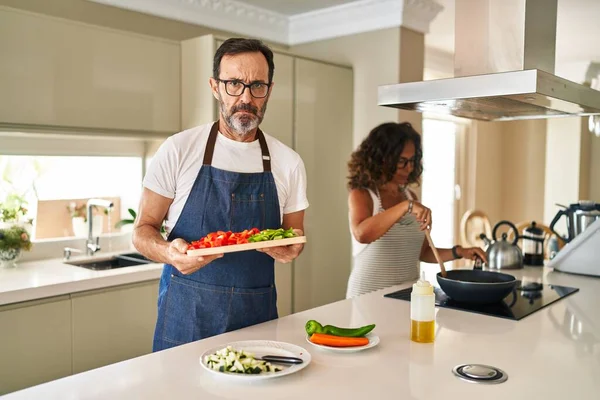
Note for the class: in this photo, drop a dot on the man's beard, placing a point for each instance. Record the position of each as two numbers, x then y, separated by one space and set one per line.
242 124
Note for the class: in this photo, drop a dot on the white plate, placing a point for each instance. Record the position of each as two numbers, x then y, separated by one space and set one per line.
373 341
262 348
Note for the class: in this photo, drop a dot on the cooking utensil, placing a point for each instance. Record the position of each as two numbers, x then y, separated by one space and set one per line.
533 245
502 254
579 216
474 286
435 252
281 359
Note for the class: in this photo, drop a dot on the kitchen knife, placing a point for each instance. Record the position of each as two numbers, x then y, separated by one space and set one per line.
281 359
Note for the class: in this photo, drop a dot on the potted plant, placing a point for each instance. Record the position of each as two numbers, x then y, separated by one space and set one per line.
15 230
79 220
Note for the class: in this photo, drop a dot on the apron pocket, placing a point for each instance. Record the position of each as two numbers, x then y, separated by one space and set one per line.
252 306
195 310
247 211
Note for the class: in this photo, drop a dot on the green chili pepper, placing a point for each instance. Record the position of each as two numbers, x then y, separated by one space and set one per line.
348 332
272 234
313 326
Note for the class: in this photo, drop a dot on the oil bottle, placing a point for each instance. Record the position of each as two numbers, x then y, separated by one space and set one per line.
422 312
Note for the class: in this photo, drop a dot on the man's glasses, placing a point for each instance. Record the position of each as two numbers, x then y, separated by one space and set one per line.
235 87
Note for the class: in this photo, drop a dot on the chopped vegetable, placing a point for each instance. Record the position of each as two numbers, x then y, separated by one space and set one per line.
313 326
272 234
240 362
338 341
222 238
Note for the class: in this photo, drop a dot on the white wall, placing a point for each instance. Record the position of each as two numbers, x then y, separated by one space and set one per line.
563 155
522 166
595 169
374 57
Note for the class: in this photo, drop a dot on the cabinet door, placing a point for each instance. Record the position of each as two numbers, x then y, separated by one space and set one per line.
278 122
112 325
56 72
198 105
36 343
323 136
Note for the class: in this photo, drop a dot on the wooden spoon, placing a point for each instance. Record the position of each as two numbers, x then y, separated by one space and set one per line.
435 252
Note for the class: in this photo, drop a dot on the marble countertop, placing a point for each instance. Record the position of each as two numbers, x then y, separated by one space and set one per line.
553 353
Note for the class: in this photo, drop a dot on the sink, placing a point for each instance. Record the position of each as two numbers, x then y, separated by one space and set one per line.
118 261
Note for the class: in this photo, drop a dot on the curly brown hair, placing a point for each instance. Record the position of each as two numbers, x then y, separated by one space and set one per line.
375 161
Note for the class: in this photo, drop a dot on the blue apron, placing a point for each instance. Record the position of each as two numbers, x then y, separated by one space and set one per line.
237 290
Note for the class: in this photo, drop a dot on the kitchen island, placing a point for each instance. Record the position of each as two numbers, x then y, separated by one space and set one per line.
553 353
58 319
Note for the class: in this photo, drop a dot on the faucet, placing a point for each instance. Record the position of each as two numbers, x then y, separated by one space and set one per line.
93 246
67 251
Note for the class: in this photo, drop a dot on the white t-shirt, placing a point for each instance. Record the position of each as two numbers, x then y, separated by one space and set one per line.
177 162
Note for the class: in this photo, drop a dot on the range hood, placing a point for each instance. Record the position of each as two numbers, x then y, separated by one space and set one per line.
503 67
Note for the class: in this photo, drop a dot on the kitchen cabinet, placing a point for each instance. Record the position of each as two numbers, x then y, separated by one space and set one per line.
36 342
323 137
310 110
278 122
113 324
48 339
64 73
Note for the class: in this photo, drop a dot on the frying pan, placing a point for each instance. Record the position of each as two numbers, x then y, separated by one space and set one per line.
473 286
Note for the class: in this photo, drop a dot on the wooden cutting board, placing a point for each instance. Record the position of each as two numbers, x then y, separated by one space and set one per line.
246 246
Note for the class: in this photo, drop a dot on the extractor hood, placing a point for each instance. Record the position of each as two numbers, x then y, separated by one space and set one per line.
504 68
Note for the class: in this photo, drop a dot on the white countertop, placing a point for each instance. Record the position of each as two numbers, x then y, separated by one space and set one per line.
551 354
47 278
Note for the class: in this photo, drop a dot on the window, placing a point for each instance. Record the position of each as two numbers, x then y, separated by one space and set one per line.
50 184
439 178
54 169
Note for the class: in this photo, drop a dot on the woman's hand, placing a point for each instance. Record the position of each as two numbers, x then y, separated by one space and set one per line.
471 253
422 215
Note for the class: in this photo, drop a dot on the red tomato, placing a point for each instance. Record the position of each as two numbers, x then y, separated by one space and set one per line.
222 238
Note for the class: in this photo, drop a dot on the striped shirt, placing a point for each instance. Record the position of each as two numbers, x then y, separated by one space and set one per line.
390 260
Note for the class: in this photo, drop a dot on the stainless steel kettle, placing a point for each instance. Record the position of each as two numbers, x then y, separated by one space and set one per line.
579 217
502 254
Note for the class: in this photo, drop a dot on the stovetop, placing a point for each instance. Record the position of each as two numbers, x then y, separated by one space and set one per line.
530 297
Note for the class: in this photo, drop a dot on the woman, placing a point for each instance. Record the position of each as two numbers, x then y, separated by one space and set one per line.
386 220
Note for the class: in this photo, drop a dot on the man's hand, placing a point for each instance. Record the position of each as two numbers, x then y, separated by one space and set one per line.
177 254
285 254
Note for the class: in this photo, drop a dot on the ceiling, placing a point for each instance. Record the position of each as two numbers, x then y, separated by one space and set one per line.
577 24
291 7
576 30
301 21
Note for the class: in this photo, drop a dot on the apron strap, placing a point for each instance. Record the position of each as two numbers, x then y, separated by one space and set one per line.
266 156
212 139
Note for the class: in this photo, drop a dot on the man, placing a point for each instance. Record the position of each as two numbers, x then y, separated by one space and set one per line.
227 176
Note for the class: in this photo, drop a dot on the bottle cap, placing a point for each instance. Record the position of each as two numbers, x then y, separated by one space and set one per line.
422 286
